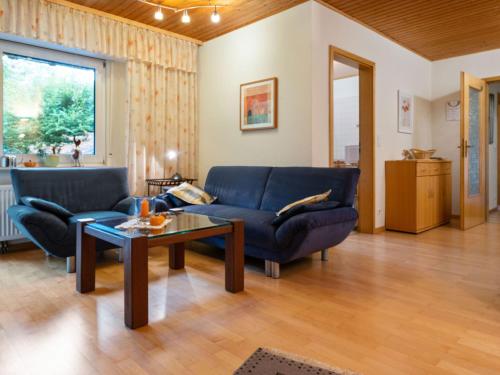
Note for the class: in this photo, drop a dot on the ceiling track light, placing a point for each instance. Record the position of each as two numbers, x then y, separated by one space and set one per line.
215 17
186 18
159 15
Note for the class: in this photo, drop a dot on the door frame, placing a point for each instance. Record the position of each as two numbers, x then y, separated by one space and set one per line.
366 189
487 198
462 147
498 153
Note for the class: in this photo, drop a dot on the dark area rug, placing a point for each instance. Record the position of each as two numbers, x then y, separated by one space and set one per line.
273 362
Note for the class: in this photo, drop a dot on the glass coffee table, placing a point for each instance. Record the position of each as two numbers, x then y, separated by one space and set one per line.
135 243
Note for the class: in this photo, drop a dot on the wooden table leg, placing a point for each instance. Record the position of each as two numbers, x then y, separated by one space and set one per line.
235 257
85 258
176 256
136 282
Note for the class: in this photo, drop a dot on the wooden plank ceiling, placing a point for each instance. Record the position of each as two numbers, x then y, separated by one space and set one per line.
435 29
238 14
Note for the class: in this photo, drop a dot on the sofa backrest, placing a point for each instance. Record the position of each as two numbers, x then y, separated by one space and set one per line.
238 186
289 184
77 189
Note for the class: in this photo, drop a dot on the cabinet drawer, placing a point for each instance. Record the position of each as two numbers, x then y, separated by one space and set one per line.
433 169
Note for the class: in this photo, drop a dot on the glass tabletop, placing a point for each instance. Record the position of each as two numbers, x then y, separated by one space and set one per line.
181 223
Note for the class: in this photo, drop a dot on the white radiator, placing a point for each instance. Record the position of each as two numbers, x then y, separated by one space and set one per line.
7 229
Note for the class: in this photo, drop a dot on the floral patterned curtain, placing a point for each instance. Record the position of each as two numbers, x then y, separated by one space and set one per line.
161 79
162 117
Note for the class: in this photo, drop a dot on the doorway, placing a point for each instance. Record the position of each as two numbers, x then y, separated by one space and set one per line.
352 127
492 142
479 156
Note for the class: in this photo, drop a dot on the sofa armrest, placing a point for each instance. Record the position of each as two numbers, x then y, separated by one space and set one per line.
300 224
161 205
165 198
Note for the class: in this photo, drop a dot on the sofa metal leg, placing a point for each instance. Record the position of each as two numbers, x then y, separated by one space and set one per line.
267 267
275 270
324 255
272 269
71 264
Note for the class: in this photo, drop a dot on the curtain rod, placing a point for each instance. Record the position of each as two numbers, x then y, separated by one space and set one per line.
82 8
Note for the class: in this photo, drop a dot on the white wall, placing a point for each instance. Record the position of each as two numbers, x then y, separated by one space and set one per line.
346 115
278 46
396 68
446 135
293 46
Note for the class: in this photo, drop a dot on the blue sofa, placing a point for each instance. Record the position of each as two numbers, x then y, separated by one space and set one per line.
255 194
86 192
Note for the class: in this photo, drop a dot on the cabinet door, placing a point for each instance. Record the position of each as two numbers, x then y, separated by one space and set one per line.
428 201
444 198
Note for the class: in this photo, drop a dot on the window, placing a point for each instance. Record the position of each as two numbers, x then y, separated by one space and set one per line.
50 99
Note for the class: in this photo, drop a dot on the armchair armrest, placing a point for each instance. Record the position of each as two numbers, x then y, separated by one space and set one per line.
41 226
47 206
300 224
126 206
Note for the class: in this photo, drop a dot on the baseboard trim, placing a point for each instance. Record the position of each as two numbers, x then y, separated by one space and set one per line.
379 230
493 209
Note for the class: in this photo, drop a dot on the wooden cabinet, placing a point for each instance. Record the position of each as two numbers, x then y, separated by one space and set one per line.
417 194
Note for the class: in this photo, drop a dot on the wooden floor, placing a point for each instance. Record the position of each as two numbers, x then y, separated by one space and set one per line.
384 304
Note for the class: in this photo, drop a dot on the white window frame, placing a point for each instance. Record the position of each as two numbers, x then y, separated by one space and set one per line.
70 59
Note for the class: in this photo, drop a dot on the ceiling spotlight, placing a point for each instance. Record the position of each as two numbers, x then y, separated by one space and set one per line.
159 15
186 18
215 17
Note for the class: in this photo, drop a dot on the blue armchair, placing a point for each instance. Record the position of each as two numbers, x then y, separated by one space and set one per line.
50 201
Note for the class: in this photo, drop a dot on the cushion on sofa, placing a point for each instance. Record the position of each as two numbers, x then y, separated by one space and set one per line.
320 206
47 206
258 229
288 184
238 186
191 194
307 200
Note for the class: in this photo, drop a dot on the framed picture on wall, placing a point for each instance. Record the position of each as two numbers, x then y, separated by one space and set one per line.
405 112
259 105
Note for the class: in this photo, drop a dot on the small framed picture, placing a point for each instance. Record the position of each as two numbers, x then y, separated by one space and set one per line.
259 105
405 112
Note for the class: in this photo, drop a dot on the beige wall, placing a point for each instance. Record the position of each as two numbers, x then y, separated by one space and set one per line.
278 46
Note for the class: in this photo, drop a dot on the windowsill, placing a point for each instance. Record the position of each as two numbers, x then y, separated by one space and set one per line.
60 166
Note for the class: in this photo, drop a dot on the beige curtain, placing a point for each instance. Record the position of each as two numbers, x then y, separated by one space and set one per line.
162 118
161 80
68 27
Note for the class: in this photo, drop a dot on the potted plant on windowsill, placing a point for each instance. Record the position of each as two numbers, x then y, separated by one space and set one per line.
52 160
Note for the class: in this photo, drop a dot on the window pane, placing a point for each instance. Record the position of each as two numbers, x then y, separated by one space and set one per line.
45 105
473 151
